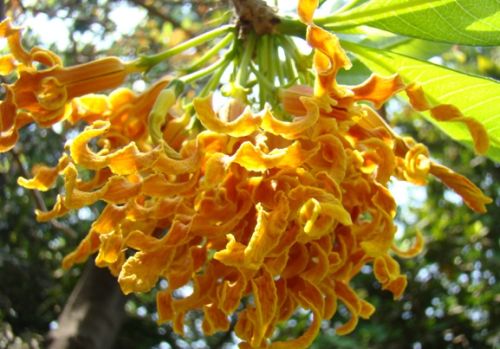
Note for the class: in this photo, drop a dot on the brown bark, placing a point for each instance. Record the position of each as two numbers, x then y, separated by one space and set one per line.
255 15
93 314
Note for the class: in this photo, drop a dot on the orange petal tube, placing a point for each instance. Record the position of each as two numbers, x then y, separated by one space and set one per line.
44 95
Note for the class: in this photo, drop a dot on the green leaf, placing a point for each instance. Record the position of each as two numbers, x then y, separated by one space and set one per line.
354 76
384 40
476 97
468 22
421 49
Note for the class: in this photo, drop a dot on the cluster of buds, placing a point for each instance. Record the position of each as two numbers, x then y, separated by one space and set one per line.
259 215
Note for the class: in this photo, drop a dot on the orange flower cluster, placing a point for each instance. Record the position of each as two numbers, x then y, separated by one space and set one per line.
43 95
261 216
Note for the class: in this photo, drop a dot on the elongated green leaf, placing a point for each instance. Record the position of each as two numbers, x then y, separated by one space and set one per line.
476 97
417 48
354 76
468 22
421 49
381 39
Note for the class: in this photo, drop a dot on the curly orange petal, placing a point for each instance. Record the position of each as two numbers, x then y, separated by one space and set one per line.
298 126
244 125
470 193
254 159
378 89
306 10
449 113
44 177
413 251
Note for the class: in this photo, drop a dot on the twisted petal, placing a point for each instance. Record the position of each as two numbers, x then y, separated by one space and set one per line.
89 245
254 159
472 195
44 176
309 297
378 89
417 164
7 64
386 270
141 271
268 231
413 251
448 112
296 128
117 189
244 125
306 10
13 36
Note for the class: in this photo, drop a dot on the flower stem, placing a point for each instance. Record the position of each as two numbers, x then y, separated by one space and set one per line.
289 68
210 53
263 68
215 79
280 70
242 77
263 80
270 59
145 63
189 78
291 26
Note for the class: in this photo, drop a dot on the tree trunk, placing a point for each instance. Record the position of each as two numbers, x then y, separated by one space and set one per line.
93 314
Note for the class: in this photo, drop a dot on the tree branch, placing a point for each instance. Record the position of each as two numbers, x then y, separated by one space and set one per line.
256 15
161 14
93 313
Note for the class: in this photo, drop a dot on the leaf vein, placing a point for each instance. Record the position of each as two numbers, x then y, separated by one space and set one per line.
460 90
476 105
464 9
460 33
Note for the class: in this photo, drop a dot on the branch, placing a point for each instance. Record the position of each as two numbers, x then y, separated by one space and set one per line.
161 14
256 15
93 313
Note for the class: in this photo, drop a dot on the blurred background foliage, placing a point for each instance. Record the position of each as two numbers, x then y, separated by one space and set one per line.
452 299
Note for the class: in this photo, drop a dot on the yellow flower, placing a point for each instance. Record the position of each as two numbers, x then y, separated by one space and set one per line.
285 213
43 95
126 111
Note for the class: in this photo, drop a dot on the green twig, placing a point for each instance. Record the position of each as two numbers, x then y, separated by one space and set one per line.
214 80
280 70
210 53
189 78
145 63
291 26
270 59
290 67
263 80
246 58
